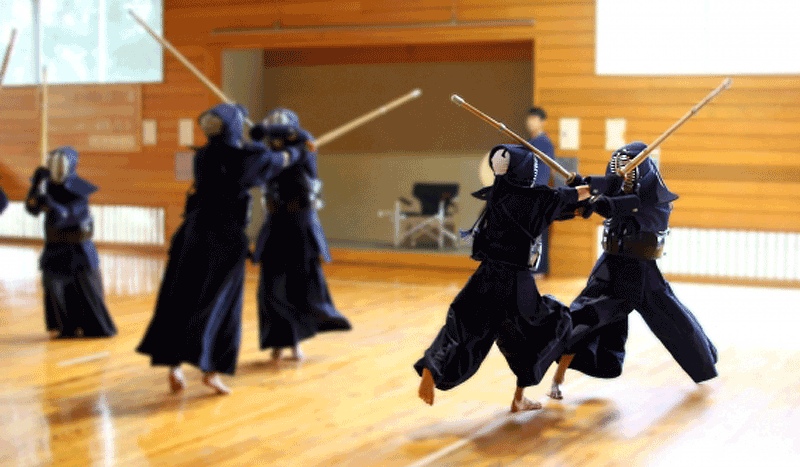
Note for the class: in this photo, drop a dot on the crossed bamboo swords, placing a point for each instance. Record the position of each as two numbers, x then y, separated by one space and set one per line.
570 176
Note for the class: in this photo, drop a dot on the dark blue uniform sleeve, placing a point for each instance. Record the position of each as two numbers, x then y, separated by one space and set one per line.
35 201
604 185
276 161
612 206
565 201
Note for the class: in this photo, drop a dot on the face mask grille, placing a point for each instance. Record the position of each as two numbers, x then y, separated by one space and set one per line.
211 124
59 167
619 160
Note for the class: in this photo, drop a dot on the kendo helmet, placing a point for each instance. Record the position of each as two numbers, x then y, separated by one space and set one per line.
515 163
621 157
646 176
280 127
62 164
224 123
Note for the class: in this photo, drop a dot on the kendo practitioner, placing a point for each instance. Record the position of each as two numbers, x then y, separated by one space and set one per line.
294 302
198 313
500 302
73 289
626 277
3 200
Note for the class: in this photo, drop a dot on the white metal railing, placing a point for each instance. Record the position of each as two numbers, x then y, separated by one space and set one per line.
130 274
747 254
142 225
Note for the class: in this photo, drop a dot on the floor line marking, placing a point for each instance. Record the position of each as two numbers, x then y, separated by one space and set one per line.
84 359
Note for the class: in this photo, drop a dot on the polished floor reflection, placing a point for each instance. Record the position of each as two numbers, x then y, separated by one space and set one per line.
353 401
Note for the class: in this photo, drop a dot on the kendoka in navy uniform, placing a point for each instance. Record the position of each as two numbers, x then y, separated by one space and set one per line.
198 314
626 277
500 302
73 289
294 302
3 200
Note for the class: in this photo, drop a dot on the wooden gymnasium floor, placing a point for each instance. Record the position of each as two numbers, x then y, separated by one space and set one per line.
353 402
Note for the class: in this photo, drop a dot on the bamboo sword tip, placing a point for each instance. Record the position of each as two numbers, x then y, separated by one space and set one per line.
416 92
727 83
457 100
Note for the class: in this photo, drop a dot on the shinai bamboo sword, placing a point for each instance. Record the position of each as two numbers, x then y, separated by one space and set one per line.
628 168
322 140
7 56
569 176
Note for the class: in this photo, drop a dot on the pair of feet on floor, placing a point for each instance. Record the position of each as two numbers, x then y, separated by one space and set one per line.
177 381
519 403
297 354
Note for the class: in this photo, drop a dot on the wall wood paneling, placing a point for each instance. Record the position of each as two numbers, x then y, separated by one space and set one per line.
750 129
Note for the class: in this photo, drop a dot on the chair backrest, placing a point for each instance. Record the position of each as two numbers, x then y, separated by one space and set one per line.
430 194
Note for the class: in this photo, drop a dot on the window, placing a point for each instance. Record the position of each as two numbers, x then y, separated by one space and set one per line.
82 41
18 14
697 37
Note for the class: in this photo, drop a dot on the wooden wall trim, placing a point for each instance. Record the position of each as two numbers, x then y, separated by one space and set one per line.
389 36
409 53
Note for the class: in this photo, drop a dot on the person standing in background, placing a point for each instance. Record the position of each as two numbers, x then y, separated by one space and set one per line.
535 123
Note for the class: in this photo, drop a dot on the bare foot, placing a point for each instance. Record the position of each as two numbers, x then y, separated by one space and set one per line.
426 387
54 333
555 391
177 382
297 354
276 353
558 378
524 404
521 403
213 381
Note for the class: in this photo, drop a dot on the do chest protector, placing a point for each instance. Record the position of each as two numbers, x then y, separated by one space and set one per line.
296 192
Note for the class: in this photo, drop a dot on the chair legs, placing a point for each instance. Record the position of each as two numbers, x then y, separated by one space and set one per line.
412 227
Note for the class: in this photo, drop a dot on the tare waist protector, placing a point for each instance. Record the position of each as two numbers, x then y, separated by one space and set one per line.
641 245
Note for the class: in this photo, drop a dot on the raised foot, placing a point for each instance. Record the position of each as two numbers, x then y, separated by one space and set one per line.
297 354
177 382
426 387
213 381
524 404
555 391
